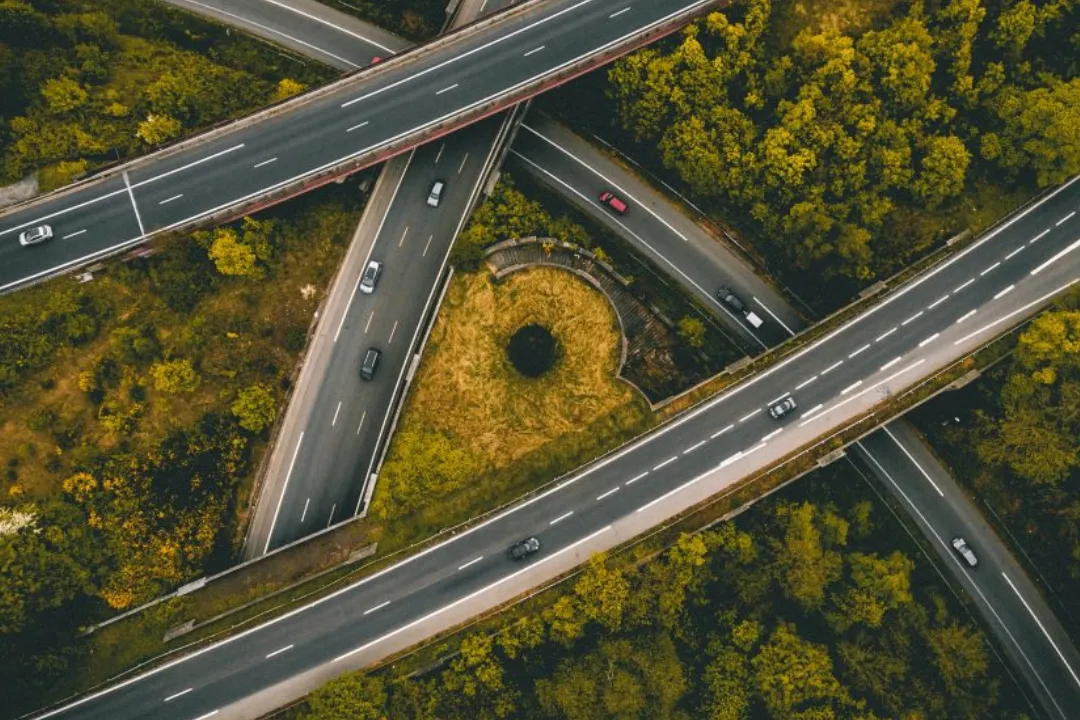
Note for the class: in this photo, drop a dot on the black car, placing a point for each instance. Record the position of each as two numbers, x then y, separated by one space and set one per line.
371 361
524 548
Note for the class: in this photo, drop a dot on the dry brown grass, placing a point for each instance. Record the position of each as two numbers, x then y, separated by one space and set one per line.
468 388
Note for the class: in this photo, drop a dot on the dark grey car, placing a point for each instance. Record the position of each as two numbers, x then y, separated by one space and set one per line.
523 549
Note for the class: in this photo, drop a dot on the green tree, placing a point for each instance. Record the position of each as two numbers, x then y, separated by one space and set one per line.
877 586
357 696
175 376
255 408
942 170
232 257
602 593
286 88
1043 126
62 95
692 331
806 559
1015 26
158 128
423 467
959 654
794 676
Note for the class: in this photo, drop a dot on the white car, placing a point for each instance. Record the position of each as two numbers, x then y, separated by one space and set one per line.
35 235
371 277
435 195
780 408
964 551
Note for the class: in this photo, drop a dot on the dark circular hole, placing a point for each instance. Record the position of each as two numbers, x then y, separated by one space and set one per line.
532 350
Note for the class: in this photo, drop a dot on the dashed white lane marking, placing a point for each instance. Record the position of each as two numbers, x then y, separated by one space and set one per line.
860 350
1038 237
992 267
1023 309
403 234
439 154
210 714
720 432
462 165
937 302
369 318
356 127
886 334
74 234
392 331
1057 257
963 285
1045 634
446 89
330 520
610 492
927 341
471 562
690 482
169 200
380 606
777 399
279 651
1065 219
744 418
1014 252
832 367
534 51
804 383
693 447
812 410
965 316
618 13
334 421
427 245
773 315
870 388
667 462
851 387
264 163
561 517
361 422
304 514
892 362
1004 292
179 694
636 478
773 434
913 318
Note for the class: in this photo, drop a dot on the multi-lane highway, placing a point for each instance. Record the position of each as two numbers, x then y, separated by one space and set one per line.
356 121
923 326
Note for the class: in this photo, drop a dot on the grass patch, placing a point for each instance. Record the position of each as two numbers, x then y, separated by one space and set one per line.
475 431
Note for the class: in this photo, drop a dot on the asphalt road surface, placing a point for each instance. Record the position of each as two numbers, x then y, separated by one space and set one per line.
311 134
925 325
1005 597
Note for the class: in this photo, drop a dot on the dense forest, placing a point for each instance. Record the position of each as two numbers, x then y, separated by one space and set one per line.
801 609
87 82
1017 447
846 138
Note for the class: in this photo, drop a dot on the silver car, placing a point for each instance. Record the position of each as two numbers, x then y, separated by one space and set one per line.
964 550
435 195
35 235
371 277
780 408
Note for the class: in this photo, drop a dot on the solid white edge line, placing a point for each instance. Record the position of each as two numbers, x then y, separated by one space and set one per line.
914 462
179 694
659 432
210 714
772 315
471 562
188 166
1039 622
273 521
1019 310
927 341
321 21
472 595
949 554
279 651
771 435
1056 257
871 388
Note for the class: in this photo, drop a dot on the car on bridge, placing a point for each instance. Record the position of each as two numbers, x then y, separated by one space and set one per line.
523 549
370 277
782 407
35 235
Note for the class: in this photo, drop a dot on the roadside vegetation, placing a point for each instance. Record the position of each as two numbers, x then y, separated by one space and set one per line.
847 139
133 411
84 83
417 20
808 606
475 432
1013 439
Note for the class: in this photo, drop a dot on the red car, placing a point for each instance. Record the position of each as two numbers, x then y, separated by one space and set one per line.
612 201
